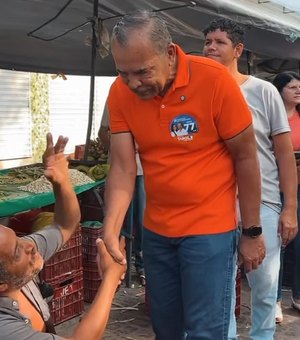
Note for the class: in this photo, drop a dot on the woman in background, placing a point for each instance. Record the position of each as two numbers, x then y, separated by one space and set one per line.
288 85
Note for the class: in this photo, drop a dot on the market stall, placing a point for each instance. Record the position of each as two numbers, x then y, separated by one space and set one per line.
13 199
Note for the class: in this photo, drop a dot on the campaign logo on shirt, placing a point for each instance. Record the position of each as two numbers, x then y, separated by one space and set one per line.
183 127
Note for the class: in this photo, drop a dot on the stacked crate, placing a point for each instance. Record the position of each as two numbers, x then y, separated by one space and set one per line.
92 204
91 278
64 273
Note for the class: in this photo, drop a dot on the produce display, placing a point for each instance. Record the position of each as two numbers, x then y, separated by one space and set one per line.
95 172
11 179
95 166
3 195
96 151
21 175
31 179
43 185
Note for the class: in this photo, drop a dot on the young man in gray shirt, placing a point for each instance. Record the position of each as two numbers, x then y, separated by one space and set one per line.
224 43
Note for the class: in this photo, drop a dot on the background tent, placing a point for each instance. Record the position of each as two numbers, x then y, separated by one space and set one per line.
273 31
55 36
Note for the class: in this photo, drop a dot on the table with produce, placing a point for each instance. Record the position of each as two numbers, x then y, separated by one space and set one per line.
25 187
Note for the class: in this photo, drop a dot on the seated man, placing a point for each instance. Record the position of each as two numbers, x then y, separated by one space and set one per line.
23 312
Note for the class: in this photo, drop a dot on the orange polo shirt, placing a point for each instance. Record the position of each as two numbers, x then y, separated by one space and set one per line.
294 122
189 176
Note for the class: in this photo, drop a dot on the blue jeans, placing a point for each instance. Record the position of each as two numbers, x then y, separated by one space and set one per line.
263 283
139 202
295 245
189 284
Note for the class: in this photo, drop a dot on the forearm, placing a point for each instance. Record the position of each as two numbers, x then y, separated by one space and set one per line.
249 190
92 325
288 185
288 180
287 169
118 194
67 211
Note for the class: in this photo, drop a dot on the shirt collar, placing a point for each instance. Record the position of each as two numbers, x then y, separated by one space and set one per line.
183 69
7 302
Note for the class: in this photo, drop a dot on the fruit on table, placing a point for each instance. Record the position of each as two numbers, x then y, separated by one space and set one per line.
96 150
83 168
98 172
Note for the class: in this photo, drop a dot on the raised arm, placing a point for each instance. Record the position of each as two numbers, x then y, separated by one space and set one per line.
67 211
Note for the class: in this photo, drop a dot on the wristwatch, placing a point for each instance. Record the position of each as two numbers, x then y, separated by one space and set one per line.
253 232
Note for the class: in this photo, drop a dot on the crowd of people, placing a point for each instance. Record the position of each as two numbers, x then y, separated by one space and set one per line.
219 189
224 39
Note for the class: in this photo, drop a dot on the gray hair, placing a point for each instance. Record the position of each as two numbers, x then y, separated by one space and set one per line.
156 29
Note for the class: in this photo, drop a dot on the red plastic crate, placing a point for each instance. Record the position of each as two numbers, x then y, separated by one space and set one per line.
66 261
79 151
89 248
91 282
67 301
90 212
92 204
22 222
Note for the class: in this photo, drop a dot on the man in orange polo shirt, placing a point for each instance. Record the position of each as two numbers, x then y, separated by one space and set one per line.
190 178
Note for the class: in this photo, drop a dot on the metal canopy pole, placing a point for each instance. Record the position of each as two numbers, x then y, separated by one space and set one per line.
92 78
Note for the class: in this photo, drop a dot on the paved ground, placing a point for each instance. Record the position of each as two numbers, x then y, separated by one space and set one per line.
129 320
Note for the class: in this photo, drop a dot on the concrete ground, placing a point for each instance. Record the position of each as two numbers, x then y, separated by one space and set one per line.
129 319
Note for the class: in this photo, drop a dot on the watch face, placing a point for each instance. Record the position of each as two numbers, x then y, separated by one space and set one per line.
256 231
253 231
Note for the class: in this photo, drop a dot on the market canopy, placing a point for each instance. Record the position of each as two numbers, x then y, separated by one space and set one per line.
30 42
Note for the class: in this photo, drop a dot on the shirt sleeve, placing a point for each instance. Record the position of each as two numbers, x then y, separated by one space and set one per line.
232 114
117 95
48 240
13 328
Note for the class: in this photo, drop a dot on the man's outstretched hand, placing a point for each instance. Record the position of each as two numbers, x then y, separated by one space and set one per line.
55 163
106 264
